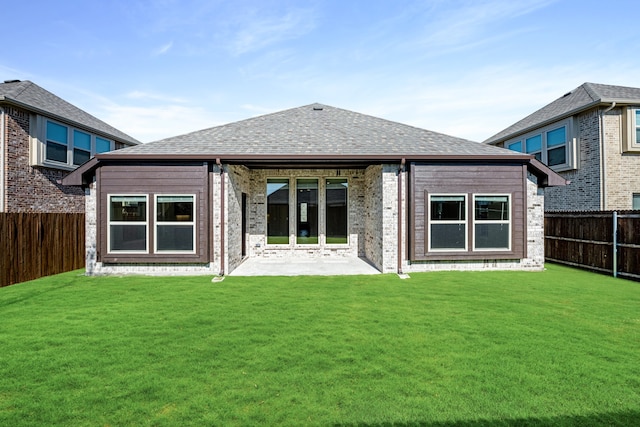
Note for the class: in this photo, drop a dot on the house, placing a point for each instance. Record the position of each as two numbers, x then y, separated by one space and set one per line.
42 139
313 181
591 137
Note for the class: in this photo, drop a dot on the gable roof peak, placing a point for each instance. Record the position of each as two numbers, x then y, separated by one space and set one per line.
313 130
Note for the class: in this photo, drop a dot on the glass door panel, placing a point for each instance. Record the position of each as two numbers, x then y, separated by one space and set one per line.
307 211
277 211
336 211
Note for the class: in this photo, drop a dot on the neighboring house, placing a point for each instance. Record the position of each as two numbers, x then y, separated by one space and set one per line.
313 181
591 137
42 139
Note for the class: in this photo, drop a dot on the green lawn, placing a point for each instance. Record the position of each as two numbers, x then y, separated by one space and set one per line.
560 347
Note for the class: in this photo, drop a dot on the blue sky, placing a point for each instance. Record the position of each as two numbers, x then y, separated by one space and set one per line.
161 68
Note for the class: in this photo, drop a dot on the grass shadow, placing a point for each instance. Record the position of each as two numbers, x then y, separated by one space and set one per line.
626 418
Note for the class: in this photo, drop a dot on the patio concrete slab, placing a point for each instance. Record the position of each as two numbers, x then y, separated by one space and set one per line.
304 267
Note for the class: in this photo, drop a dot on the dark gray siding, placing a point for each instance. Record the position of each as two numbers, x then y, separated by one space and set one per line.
152 179
468 178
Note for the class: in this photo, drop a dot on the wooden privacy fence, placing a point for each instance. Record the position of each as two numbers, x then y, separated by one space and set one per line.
34 245
608 241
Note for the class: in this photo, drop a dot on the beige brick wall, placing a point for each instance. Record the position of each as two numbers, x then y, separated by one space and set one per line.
622 170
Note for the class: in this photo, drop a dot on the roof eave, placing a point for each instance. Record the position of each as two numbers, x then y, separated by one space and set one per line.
63 119
601 102
115 156
83 174
546 176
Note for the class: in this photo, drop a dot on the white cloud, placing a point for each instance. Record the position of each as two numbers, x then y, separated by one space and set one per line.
162 121
257 31
141 95
163 49
459 26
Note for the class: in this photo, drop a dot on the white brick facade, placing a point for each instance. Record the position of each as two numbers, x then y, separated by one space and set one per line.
372 224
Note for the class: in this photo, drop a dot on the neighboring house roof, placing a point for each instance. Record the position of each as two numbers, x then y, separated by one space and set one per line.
586 96
313 130
32 97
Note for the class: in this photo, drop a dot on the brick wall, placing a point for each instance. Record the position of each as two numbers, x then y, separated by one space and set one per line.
257 229
373 210
584 191
33 189
622 177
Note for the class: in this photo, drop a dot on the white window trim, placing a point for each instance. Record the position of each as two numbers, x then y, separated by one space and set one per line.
159 223
629 130
110 223
484 221
465 222
38 154
570 146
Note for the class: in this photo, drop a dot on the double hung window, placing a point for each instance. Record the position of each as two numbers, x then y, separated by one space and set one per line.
448 225
175 224
81 147
128 224
492 227
57 142
450 229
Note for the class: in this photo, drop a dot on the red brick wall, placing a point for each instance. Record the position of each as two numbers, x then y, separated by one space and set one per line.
28 188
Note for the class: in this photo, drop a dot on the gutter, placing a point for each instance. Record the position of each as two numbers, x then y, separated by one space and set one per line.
115 156
603 168
3 131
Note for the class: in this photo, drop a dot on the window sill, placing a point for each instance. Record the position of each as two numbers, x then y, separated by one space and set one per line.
461 256
59 166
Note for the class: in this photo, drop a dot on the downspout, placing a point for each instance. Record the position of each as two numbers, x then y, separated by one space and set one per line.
400 234
3 130
603 168
222 231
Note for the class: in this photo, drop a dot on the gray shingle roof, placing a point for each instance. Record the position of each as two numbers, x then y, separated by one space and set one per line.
33 97
314 130
581 98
